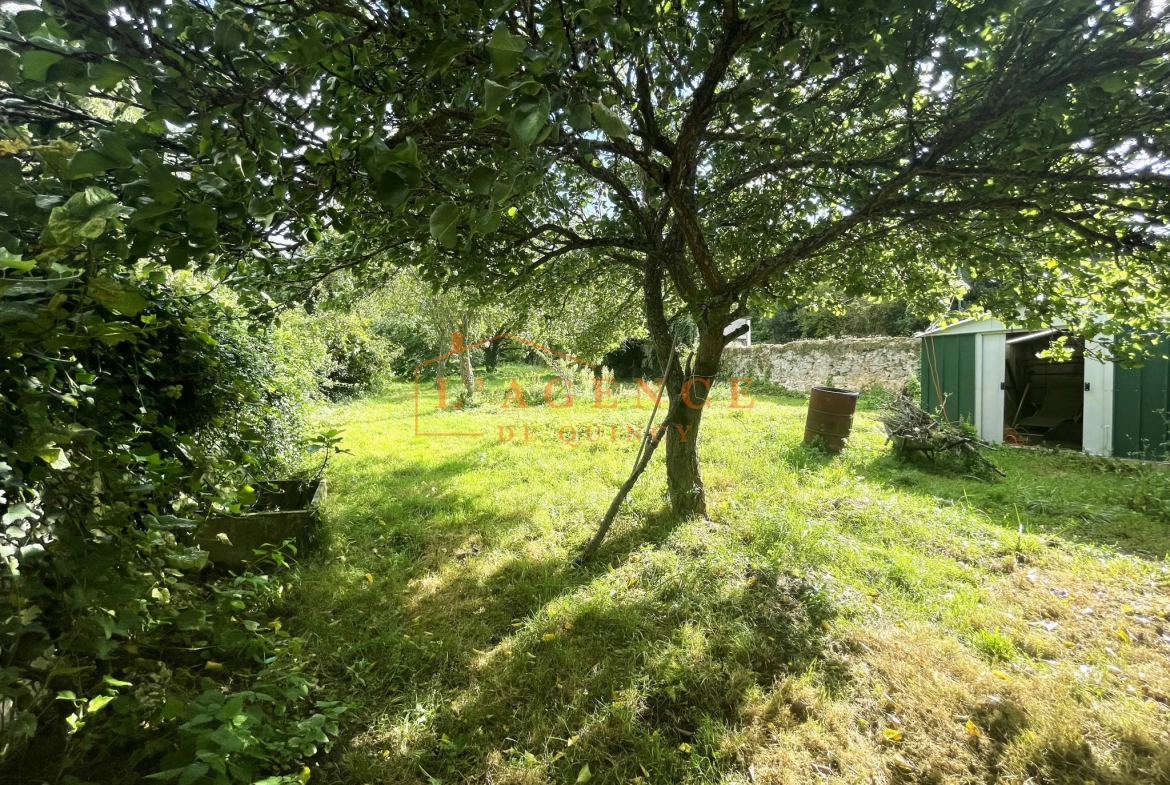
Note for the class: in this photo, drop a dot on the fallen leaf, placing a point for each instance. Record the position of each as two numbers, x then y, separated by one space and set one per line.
892 734
902 763
1123 636
369 578
223 538
548 636
972 729
585 775
1000 675
685 748
303 777
213 666
572 740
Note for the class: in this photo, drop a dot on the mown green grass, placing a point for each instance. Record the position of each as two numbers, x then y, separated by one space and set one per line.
835 618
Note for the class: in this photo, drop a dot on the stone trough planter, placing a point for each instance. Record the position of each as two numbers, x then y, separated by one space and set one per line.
284 510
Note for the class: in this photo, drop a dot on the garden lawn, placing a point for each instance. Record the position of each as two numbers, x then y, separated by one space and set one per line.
836 619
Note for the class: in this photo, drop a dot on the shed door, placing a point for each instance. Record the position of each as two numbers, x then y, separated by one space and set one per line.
948 375
1097 424
991 360
1140 406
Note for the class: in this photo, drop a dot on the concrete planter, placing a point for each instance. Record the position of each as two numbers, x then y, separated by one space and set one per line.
284 510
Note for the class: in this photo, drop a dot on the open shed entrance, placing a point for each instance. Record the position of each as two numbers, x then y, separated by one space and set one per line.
1044 399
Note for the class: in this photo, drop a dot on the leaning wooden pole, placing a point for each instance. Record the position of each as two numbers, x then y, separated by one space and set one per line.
650 440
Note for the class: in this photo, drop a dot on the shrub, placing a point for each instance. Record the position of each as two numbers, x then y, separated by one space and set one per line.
347 356
412 346
122 660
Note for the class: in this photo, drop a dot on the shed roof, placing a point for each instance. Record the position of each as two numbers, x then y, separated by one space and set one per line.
966 327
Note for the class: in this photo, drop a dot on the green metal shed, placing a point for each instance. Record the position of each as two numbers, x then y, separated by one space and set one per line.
948 375
1121 411
1141 401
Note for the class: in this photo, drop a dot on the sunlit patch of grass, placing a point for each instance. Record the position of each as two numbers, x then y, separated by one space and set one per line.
826 601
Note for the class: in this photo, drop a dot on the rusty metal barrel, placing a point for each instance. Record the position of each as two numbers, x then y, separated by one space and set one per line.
830 417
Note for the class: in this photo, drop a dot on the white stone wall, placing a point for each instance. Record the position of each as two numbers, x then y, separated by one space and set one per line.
850 363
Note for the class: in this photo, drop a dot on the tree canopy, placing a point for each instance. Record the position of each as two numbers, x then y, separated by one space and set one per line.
708 153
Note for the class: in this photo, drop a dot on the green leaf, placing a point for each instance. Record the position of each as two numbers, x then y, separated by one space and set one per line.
202 218
89 162
493 94
506 50
84 217
35 63
444 224
481 179
193 772
580 118
391 189
55 457
9 66
97 703
529 124
610 122
28 22
1114 83
114 147
12 261
585 775
821 68
116 295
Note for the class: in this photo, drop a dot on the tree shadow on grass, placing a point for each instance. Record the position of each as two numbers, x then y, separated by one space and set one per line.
468 651
639 667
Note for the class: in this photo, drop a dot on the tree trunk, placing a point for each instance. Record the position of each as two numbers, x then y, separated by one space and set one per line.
684 479
466 372
688 386
491 355
688 401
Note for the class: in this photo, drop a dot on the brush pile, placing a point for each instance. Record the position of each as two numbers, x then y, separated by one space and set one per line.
911 428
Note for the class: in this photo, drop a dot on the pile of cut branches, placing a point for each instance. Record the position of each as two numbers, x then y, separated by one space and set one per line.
911 428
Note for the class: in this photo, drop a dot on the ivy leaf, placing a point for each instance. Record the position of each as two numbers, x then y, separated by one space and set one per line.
117 296
84 217
444 224
506 50
12 261
55 457
610 122
97 703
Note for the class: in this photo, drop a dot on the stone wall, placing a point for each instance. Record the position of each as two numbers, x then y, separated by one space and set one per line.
851 363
